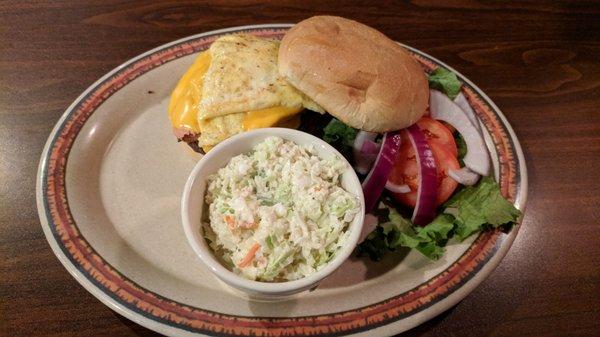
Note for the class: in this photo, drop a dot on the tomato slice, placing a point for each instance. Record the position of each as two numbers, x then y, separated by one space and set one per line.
406 171
438 133
445 161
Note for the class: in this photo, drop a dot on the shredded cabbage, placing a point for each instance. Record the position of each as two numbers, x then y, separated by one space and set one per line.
287 200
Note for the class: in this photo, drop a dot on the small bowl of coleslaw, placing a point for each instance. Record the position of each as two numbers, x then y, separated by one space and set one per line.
271 212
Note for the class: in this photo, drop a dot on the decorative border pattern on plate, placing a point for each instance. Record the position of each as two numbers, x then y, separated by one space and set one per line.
163 310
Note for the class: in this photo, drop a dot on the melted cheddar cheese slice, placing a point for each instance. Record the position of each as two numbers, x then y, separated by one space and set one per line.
188 99
183 107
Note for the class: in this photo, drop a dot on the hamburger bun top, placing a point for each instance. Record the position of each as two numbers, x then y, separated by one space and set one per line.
355 73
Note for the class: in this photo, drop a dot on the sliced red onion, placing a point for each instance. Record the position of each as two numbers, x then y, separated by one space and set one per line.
365 151
462 102
390 186
464 176
443 108
363 163
375 181
360 139
424 210
370 147
364 159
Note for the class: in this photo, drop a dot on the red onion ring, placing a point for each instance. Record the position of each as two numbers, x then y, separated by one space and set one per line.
425 208
464 176
443 108
390 186
365 151
370 147
375 181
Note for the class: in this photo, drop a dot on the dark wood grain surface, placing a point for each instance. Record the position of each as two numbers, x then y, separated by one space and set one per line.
539 61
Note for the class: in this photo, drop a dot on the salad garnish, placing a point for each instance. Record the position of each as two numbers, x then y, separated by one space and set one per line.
427 191
437 186
471 210
340 135
446 81
442 108
375 181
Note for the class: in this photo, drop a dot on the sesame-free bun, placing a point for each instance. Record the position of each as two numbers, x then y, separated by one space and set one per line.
355 73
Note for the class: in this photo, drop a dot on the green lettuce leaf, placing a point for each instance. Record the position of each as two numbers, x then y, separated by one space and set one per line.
337 132
439 230
444 81
476 208
433 237
473 209
375 246
461 146
400 232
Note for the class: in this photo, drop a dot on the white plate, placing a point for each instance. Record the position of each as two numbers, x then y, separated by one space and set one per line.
108 191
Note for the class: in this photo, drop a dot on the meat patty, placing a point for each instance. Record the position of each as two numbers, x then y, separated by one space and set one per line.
188 136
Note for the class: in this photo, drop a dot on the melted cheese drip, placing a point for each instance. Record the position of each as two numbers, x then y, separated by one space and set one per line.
183 106
268 117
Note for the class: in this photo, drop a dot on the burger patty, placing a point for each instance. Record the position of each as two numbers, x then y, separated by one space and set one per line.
191 138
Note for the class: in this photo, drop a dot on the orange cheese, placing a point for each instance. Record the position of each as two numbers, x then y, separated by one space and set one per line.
268 117
183 106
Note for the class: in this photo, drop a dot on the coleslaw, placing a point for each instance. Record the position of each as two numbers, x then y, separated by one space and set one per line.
278 213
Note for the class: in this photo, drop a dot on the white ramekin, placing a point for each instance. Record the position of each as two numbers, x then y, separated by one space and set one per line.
192 203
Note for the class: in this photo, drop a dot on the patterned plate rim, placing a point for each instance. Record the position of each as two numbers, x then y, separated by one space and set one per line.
161 314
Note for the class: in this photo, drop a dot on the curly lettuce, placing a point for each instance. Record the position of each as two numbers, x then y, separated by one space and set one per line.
471 210
445 81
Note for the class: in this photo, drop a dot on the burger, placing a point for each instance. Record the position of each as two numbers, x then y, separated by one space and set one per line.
325 64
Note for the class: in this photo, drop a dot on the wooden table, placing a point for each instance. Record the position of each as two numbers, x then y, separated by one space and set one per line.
538 61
